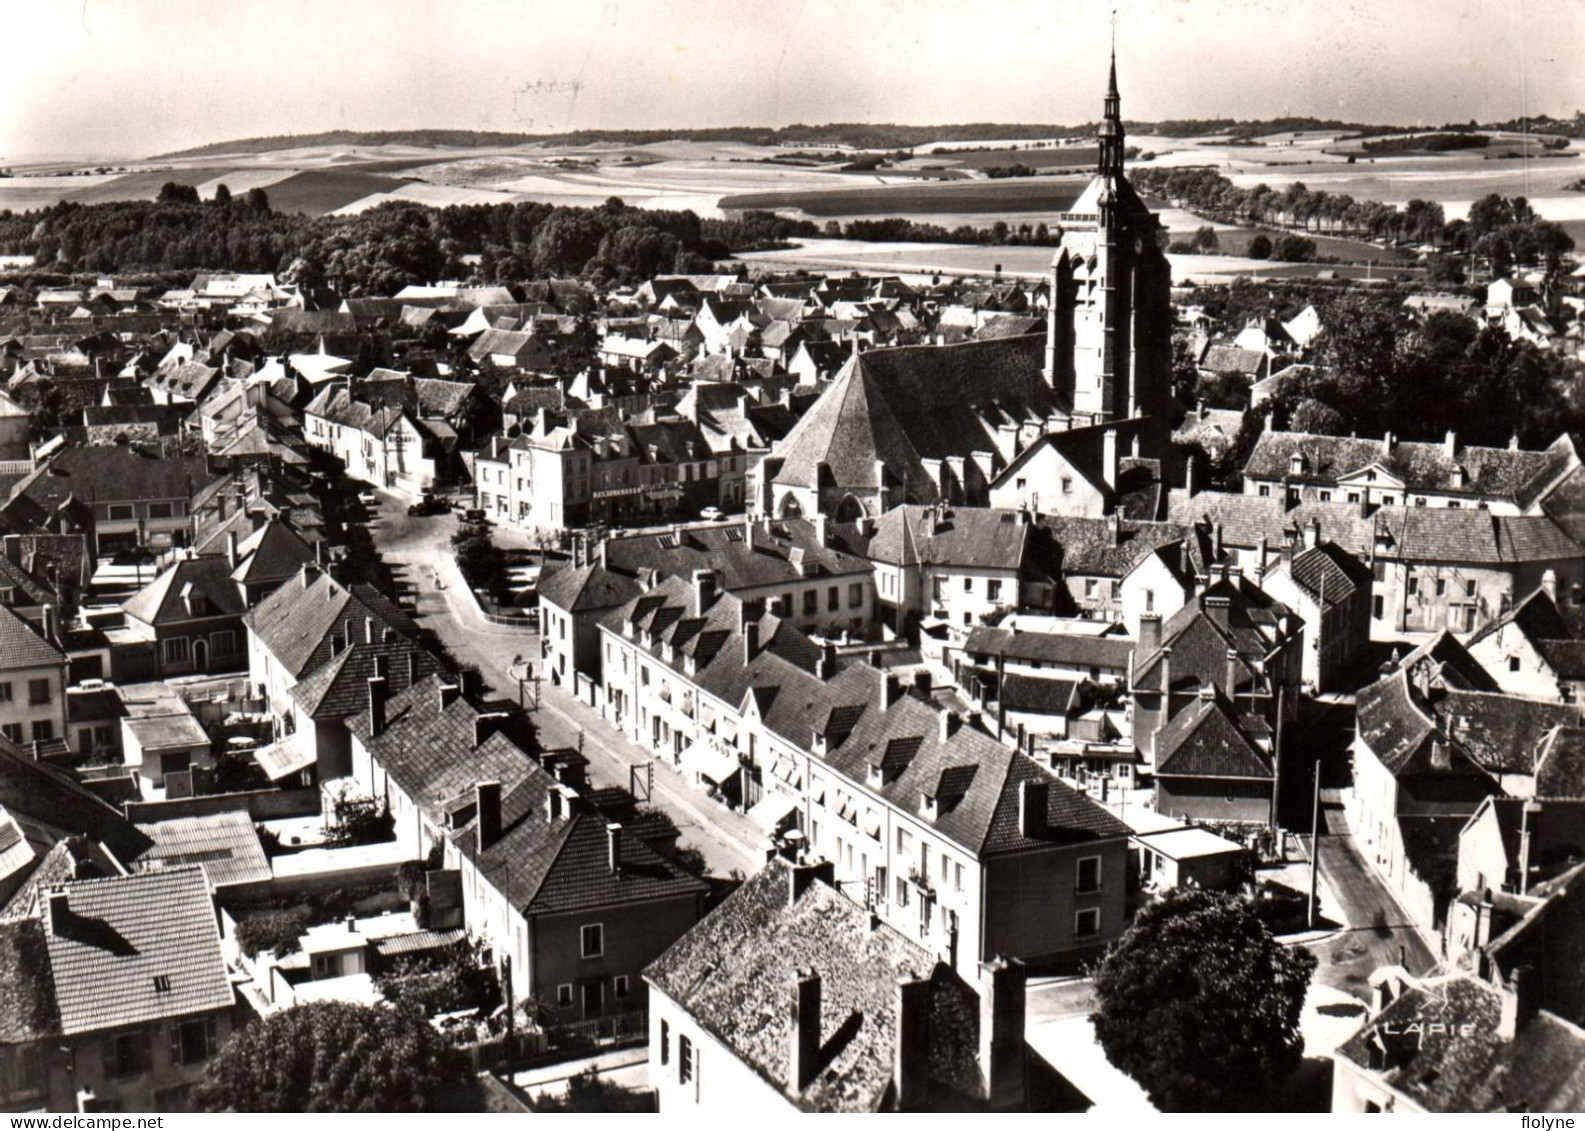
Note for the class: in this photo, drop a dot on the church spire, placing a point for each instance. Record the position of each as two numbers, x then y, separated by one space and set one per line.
1111 131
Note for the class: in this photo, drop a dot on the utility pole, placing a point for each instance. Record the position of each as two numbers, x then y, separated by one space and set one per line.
1315 842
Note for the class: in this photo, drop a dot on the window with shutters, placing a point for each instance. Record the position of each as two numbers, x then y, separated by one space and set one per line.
193 1042
684 1060
126 1054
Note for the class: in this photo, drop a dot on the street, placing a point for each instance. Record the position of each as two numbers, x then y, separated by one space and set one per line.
418 552
1377 932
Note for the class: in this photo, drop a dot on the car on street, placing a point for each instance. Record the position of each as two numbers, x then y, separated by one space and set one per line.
427 505
712 514
368 498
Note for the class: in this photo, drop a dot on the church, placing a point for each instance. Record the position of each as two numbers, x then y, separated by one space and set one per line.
953 423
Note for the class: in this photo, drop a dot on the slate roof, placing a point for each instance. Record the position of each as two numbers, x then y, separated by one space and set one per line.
975 778
905 405
43 793
1066 649
27 987
1256 627
1560 765
134 949
340 687
225 845
1463 1065
545 866
1504 473
1207 739
577 589
114 473
1095 547
164 599
1231 359
428 750
21 646
296 622
1038 695
273 552
1329 570
742 557
962 537
735 975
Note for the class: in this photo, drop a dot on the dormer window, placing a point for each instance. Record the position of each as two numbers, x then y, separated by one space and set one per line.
928 806
876 777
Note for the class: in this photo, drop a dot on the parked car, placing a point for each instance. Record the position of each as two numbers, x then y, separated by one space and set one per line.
427 507
712 514
368 498
475 515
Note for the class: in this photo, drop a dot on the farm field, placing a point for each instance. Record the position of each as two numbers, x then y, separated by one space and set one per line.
712 178
1015 194
926 259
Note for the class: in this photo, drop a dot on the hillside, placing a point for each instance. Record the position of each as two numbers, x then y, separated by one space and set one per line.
862 135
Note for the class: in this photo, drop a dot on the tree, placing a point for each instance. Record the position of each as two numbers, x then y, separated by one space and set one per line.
222 196
1259 247
257 200
1293 248
1311 415
332 1056
1200 1004
173 193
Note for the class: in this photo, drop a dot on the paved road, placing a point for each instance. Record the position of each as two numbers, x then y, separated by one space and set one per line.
1377 932
418 551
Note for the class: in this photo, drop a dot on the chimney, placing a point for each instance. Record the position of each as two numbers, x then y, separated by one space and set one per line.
310 574
1518 1003
1549 584
1033 798
947 724
1185 559
821 530
911 1051
1450 445
322 552
804 1032
47 615
750 642
1388 443
888 688
378 696
448 694
1312 534
1001 1053
13 548
827 662
613 847
1188 478
382 667
231 548
1217 609
368 631
555 805
1216 542
1232 674
412 667
1149 633
487 803
801 876
484 725
1262 553
703 589
1441 755
59 911
1109 458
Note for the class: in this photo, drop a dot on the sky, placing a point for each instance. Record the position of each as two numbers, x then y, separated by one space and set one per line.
127 78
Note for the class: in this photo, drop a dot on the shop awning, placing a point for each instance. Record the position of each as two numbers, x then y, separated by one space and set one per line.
773 810
709 763
283 759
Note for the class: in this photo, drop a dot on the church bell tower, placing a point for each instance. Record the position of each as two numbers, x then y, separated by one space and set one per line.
1109 332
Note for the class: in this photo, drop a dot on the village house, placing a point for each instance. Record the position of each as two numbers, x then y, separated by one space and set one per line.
1330 589
1436 738
33 680
187 621
119 995
1535 650
938 565
946 833
398 432
574 905
134 498
1232 637
789 998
